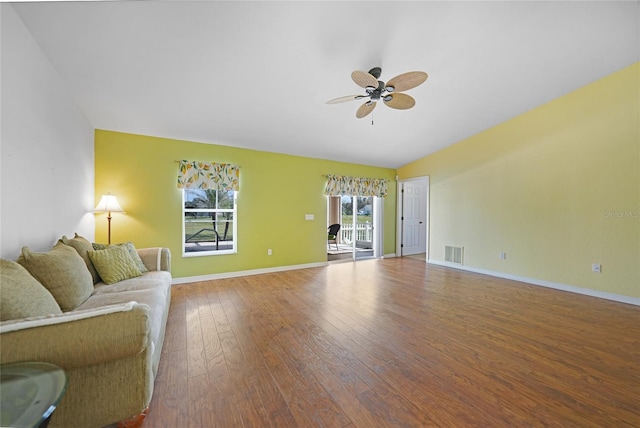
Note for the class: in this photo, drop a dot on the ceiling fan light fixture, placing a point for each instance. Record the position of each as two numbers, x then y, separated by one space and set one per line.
370 89
389 88
387 98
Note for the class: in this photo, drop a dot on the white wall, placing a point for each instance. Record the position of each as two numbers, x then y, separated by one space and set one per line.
46 148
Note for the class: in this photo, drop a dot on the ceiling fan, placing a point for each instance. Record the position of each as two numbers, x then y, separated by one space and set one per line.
377 90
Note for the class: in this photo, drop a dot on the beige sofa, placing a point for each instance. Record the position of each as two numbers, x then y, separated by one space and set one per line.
107 337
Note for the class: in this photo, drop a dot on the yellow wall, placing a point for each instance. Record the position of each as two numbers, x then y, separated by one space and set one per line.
276 191
557 189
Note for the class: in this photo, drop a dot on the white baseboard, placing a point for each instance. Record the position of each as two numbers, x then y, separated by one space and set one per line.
564 287
188 279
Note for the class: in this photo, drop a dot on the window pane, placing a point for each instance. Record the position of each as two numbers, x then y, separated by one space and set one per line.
225 199
198 198
224 226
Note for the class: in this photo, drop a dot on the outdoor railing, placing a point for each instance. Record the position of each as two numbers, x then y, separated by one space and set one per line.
364 232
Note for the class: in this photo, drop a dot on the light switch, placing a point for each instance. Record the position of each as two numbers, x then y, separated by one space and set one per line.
309 216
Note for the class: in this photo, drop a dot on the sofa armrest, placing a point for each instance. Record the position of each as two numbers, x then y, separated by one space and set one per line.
78 338
156 258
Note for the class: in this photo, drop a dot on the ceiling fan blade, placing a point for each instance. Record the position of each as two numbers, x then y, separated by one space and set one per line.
345 99
364 79
400 101
406 81
365 109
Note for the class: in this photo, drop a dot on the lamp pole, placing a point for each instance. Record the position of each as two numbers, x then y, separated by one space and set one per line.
109 228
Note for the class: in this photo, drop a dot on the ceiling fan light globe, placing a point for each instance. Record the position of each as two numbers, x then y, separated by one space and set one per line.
389 88
369 89
387 98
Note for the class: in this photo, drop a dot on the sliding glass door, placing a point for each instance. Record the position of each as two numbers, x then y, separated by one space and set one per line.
357 237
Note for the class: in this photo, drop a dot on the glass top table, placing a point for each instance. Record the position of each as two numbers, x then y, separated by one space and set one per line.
29 393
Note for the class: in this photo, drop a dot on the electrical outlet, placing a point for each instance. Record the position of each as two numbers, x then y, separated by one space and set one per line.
269 252
596 267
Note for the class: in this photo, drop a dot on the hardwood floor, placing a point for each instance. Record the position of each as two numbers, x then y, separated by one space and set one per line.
396 343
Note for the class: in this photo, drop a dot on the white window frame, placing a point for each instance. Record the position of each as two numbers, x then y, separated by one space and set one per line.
234 211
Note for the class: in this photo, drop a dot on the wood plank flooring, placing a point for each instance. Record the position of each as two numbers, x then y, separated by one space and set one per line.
394 343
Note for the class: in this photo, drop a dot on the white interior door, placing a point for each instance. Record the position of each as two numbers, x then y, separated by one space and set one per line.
413 216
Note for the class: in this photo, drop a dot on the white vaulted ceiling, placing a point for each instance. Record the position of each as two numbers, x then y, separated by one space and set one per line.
257 74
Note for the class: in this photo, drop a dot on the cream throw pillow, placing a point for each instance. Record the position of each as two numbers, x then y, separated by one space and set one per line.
62 271
21 295
83 246
114 264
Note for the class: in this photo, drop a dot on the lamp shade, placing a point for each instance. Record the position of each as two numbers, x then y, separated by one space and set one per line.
108 204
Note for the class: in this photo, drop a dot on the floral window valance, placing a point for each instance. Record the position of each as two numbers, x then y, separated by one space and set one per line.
338 185
208 175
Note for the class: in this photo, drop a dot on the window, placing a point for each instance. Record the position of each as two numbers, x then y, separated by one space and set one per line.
209 222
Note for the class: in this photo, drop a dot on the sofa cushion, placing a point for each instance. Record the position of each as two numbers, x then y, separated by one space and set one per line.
114 264
132 252
62 271
21 295
83 246
148 280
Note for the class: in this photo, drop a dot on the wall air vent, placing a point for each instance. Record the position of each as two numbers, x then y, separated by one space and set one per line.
453 254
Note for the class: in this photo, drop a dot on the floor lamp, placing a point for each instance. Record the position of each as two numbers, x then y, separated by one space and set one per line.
108 204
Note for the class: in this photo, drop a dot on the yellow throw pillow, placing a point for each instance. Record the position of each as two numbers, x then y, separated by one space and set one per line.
132 252
114 264
21 295
62 271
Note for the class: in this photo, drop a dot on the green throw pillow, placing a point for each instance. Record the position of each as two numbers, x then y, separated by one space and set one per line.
114 264
83 246
132 252
63 272
21 295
